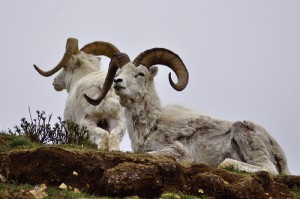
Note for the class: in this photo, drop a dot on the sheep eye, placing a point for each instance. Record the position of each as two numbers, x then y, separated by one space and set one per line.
140 74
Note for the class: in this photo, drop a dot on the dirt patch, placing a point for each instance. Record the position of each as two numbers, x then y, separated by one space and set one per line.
125 174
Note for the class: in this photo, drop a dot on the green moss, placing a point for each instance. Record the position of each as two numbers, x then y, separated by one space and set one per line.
10 142
13 142
18 190
233 170
297 195
20 141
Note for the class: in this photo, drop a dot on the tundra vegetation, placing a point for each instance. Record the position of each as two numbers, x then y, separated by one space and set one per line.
28 167
39 130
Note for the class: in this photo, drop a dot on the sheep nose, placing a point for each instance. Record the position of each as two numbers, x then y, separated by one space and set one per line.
117 80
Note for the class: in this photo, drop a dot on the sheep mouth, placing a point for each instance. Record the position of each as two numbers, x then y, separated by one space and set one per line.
118 88
58 88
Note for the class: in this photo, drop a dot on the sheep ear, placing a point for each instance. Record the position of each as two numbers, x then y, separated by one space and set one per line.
153 71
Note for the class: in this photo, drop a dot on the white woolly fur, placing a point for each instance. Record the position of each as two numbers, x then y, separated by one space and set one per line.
189 136
105 122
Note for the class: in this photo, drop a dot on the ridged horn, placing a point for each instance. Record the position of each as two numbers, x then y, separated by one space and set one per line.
168 58
71 49
117 61
100 48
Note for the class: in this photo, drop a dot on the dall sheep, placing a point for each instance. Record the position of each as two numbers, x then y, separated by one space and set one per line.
80 74
180 132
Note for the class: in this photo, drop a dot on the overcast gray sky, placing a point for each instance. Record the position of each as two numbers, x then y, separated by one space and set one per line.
243 56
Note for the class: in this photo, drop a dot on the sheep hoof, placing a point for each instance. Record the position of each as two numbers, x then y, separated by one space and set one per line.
113 146
103 145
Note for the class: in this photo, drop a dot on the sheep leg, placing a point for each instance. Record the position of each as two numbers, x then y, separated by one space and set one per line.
97 136
177 151
253 146
240 166
117 128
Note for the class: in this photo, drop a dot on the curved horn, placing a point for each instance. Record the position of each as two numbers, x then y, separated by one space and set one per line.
71 49
100 48
168 58
117 61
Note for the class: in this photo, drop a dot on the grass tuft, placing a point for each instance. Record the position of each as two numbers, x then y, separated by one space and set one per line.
232 169
296 195
20 141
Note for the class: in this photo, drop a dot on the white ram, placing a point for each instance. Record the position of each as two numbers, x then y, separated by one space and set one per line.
180 132
80 74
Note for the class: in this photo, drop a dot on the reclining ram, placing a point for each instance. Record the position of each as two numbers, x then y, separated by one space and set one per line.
81 74
180 132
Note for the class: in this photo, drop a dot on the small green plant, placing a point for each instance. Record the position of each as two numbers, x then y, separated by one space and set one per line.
40 130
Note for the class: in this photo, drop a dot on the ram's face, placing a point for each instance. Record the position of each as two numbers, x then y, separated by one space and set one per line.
59 82
131 82
78 66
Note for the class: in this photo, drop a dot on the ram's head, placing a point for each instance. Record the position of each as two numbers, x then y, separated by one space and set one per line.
132 80
77 62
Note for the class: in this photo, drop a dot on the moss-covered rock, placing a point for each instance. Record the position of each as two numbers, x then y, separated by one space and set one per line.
121 174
